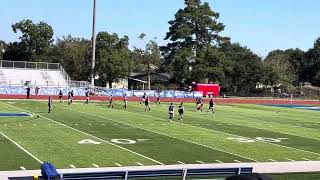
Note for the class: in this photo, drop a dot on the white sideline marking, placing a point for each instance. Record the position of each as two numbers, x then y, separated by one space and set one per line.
237 161
72 166
201 162
118 164
168 135
181 162
218 161
95 165
290 160
272 160
92 136
305 159
140 164
5 125
21 148
23 168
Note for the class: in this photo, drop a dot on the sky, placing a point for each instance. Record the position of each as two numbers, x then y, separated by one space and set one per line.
261 25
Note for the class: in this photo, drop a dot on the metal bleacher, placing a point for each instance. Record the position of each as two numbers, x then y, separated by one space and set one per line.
149 174
17 73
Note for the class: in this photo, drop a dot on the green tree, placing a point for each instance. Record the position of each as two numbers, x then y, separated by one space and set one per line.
113 57
194 30
3 46
74 55
311 65
35 41
147 59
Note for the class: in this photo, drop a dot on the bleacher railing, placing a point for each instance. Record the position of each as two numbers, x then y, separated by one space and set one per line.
5 64
34 65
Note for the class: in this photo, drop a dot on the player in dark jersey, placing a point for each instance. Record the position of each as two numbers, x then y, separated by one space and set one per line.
28 92
49 104
69 98
143 98
171 112
125 101
158 99
60 96
201 104
211 106
110 102
146 103
87 97
36 91
181 111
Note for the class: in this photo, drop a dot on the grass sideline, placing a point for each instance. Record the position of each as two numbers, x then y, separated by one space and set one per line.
238 133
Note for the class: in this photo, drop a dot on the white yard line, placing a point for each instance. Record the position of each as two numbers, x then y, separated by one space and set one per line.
237 161
72 166
118 164
234 134
166 135
305 159
218 161
140 164
23 149
201 162
94 137
23 168
290 159
180 162
95 165
272 160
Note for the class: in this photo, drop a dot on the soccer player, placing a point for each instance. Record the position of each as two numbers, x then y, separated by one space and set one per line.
37 91
28 92
125 101
69 98
171 112
49 104
158 99
181 111
87 97
144 98
211 106
110 102
146 103
60 96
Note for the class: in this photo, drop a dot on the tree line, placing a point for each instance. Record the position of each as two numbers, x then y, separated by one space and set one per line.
196 52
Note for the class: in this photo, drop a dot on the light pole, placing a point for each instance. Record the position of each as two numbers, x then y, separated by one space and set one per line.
93 62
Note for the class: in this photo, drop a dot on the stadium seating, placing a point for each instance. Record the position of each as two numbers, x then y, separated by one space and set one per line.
35 76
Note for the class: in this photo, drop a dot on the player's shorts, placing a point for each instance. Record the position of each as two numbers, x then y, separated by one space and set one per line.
181 115
171 115
88 98
70 100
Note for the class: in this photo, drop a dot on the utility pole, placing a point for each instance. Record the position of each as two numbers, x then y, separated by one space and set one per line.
93 62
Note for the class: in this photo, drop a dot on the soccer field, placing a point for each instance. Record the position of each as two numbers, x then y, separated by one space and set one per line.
94 136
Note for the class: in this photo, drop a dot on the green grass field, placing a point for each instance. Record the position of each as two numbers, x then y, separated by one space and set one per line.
93 135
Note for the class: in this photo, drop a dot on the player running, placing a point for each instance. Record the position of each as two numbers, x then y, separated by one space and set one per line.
125 101
60 96
199 104
211 106
181 111
87 97
146 103
171 112
110 102
49 104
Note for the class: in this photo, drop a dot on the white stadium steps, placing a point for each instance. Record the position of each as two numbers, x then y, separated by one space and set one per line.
36 77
